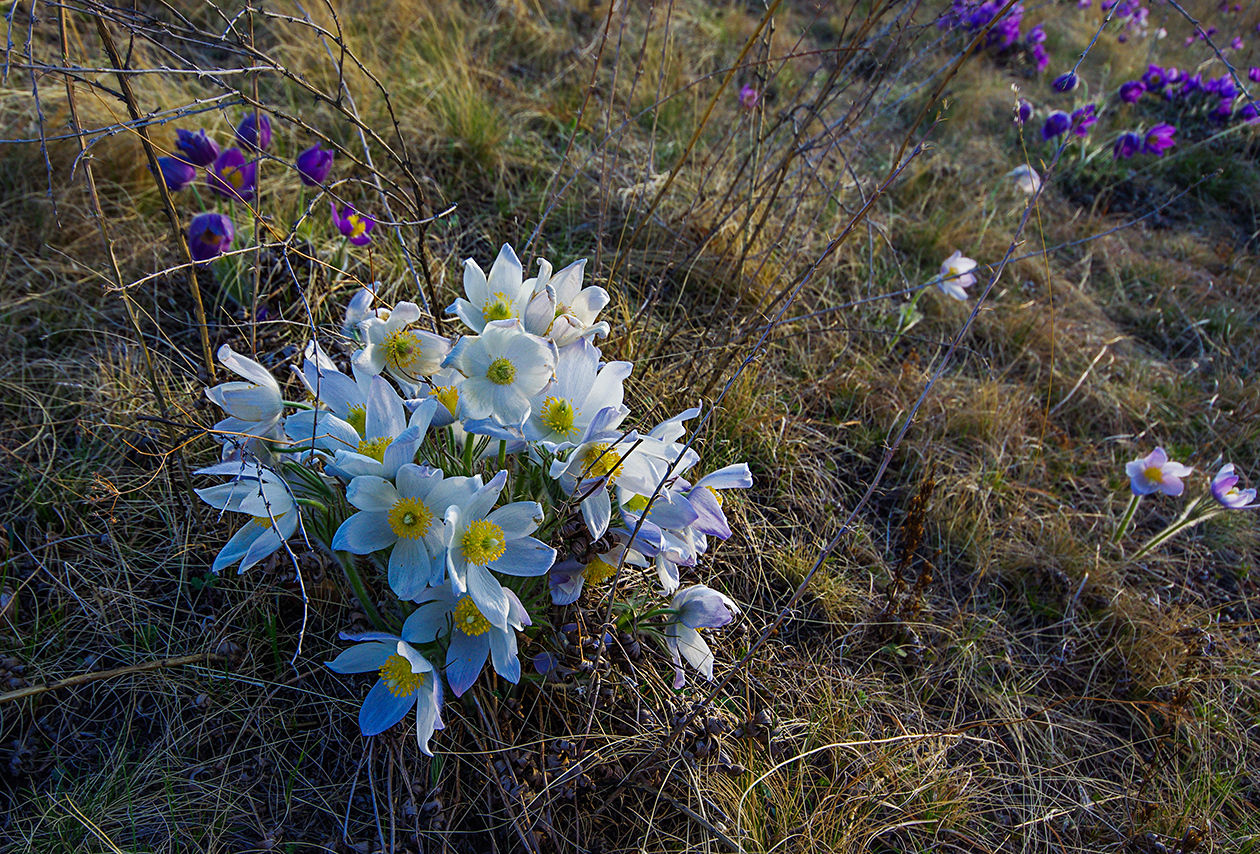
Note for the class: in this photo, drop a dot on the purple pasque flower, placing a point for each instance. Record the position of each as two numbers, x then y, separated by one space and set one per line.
1040 57
1253 74
197 148
176 174
1127 145
748 97
1156 473
1225 490
354 225
1083 119
209 236
1056 124
254 131
1155 78
313 165
1132 91
1236 44
1159 139
1066 82
1037 35
232 177
1023 112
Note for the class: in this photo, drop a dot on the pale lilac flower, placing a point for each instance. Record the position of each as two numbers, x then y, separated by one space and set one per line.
1225 490
263 495
1156 473
748 97
1026 179
501 295
505 367
408 355
956 276
697 607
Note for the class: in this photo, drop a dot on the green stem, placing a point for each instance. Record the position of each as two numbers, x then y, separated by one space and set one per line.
906 313
1182 523
1127 518
502 454
468 454
360 588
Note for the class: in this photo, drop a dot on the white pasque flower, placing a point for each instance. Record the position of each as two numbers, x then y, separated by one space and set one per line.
406 679
1026 179
505 366
501 296
561 309
262 494
697 607
408 355
254 407
360 309
956 276
408 515
584 399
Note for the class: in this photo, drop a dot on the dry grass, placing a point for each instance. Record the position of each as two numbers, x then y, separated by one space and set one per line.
973 669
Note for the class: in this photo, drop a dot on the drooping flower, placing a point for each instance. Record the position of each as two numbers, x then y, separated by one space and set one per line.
254 407
500 296
354 225
313 165
176 173
407 679
561 309
1132 91
407 515
391 345
197 148
1023 111
1127 145
232 177
1026 178
473 638
505 366
1083 119
1056 124
1156 473
1066 82
360 309
956 276
748 97
254 132
697 607
1159 139
584 396
209 236
1225 490
263 495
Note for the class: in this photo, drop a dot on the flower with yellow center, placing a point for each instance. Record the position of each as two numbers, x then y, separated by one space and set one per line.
585 400
375 448
505 366
501 371
562 310
498 307
600 460
406 679
265 497
482 542
410 519
448 396
398 676
392 344
468 619
598 571
500 296
956 276
560 417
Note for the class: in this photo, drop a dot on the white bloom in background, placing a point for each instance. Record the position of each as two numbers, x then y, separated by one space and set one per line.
360 309
697 607
408 516
1026 179
561 309
505 366
956 276
501 296
585 398
254 407
262 494
408 355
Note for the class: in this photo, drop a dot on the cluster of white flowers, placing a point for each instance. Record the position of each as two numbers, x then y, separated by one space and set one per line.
460 465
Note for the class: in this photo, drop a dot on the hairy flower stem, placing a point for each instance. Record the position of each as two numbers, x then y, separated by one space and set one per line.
1184 521
502 454
360 589
1127 518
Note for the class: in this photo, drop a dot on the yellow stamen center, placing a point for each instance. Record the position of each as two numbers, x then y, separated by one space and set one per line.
358 226
637 504
210 238
483 542
264 522
498 307
234 177
357 418
401 350
716 495
410 519
501 372
598 571
469 619
559 414
561 308
375 448
600 461
1154 474
448 396
398 678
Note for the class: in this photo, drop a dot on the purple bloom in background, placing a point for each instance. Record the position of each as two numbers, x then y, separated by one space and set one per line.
1040 56
1083 119
1127 145
313 165
176 174
1155 78
354 225
1023 112
1132 91
1190 85
232 177
1253 74
1156 473
197 148
1225 87
1159 139
209 236
1224 111
1056 124
254 132
1237 43
1037 35
1225 490
1173 74
1066 82
748 97
1248 113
